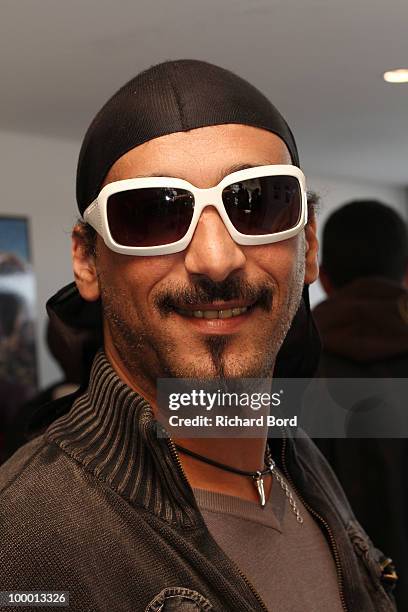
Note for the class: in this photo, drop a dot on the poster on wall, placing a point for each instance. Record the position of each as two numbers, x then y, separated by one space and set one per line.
18 367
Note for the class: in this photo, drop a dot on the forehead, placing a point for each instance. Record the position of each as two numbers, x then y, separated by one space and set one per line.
202 156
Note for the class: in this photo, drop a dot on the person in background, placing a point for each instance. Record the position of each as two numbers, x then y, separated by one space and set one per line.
17 374
364 329
15 436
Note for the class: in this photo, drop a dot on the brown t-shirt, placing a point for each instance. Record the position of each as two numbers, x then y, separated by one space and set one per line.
289 564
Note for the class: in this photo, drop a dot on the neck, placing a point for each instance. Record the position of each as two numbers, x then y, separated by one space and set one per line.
141 386
242 453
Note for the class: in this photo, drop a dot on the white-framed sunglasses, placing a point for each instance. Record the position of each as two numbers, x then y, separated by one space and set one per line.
158 215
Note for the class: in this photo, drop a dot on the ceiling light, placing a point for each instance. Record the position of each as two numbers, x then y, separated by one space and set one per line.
400 75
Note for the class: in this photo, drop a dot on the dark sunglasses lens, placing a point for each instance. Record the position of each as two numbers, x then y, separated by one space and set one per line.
264 205
152 216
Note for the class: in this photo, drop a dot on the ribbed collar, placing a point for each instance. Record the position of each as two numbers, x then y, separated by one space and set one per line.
111 431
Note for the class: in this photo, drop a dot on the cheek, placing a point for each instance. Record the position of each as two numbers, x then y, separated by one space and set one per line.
130 275
282 260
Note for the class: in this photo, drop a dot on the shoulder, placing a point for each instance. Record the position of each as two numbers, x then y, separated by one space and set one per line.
25 509
43 485
18 464
42 491
49 509
33 483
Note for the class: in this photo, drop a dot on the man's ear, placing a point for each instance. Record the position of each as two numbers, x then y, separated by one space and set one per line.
84 266
312 251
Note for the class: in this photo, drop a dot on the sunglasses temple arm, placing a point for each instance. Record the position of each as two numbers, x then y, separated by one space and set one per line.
92 215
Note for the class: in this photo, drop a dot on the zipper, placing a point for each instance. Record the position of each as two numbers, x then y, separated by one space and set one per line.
333 545
175 456
251 587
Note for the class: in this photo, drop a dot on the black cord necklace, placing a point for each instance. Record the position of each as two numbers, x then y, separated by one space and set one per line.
257 477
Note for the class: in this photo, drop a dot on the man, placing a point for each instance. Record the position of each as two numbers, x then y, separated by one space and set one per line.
364 329
194 281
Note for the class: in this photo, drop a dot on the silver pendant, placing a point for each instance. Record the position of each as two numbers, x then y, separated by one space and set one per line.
259 485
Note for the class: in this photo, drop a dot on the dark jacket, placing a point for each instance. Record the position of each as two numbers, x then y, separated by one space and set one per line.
364 331
99 506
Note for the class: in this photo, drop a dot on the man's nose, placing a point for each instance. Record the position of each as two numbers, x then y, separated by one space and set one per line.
212 252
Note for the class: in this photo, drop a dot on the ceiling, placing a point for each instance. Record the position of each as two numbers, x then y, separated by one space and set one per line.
319 61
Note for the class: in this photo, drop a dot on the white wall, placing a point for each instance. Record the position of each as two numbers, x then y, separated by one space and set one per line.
335 192
38 180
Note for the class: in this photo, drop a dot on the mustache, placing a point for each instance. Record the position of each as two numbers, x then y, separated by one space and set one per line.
207 291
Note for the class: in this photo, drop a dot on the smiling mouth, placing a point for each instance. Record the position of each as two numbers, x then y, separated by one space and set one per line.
225 313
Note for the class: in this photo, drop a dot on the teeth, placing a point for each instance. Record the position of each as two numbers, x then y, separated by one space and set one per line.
224 314
210 314
214 314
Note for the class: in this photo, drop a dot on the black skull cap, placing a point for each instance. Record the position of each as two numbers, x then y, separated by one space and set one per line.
174 96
